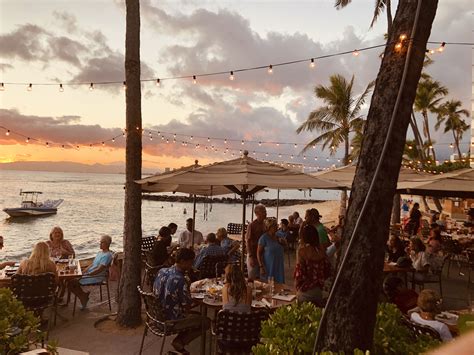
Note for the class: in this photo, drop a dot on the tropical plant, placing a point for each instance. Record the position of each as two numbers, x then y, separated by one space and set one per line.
450 114
19 328
292 330
380 5
428 97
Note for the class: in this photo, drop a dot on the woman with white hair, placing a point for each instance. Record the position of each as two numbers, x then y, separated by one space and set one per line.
270 253
95 273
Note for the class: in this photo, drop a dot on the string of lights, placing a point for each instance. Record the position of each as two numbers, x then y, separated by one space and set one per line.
232 73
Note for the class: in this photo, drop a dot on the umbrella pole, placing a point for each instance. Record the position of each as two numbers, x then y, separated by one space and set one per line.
253 205
244 202
278 202
194 217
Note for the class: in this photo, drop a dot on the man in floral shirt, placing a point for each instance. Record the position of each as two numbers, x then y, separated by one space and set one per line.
172 289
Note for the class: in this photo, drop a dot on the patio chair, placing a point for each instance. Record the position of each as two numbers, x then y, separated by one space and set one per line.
147 244
208 266
437 277
234 228
453 248
104 282
156 321
150 274
418 329
37 293
236 332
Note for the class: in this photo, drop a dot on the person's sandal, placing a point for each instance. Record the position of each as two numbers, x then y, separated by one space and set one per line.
84 305
179 348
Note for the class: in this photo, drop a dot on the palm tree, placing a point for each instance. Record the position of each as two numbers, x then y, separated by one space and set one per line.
450 113
380 5
337 119
428 97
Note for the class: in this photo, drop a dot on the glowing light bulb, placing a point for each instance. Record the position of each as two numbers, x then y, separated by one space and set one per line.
431 51
113 140
403 37
355 53
7 133
47 144
124 85
2 87
231 76
158 83
61 89
27 140
91 87
30 87
103 144
296 145
194 79
242 142
260 144
441 48
270 69
398 46
451 145
312 64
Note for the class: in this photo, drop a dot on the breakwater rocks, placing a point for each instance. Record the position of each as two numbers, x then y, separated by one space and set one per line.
228 200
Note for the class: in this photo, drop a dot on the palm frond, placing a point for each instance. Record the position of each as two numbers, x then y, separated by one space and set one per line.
379 7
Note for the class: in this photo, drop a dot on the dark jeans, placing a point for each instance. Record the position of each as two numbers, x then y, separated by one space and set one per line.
192 327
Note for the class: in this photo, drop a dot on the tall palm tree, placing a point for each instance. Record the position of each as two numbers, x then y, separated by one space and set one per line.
380 5
337 119
450 113
428 97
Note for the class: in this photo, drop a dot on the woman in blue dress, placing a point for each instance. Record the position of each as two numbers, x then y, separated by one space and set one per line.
270 253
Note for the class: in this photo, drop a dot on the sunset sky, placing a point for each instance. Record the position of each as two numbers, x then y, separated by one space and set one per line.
83 41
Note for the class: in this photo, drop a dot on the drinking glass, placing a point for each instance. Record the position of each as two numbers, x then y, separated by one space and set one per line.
271 282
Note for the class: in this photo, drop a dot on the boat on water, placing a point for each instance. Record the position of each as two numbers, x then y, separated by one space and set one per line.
31 207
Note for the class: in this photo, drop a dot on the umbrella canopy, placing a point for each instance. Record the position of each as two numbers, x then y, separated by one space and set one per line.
345 175
244 175
458 183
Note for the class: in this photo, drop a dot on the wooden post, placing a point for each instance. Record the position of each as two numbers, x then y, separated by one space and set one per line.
194 217
244 202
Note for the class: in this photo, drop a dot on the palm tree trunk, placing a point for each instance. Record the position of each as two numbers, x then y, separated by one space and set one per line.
428 135
456 141
129 305
343 205
388 6
416 133
396 209
349 317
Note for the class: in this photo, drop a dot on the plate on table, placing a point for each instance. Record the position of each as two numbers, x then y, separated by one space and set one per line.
448 318
197 295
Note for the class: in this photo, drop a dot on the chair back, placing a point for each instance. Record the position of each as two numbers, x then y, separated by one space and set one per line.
35 291
209 266
419 329
151 272
234 228
155 316
239 330
147 243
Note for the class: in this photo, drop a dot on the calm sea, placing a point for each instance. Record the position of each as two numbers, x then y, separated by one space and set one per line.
93 205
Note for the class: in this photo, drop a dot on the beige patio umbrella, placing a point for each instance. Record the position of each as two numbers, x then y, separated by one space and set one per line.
244 176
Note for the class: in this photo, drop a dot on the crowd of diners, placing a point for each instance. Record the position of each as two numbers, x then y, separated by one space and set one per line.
266 243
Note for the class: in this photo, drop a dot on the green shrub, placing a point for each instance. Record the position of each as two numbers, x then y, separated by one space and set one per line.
291 330
19 328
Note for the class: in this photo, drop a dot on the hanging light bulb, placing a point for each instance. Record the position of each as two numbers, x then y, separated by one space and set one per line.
292 157
260 144
27 140
270 69
225 141
296 145
266 154
304 157
278 144
355 53
314 146
7 133
451 145
113 140
61 89
242 142
231 76
410 147
208 139
47 144
398 46
2 87
403 37
158 83
441 48
191 137
91 87
194 79
312 64
103 144
30 87
279 155
431 51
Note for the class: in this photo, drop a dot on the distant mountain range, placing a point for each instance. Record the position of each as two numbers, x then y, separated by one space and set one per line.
68 167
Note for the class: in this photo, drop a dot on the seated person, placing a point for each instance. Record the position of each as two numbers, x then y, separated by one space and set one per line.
395 249
186 237
428 302
404 298
172 290
236 294
38 262
230 246
420 260
95 273
434 240
283 231
5 263
158 255
212 249
173 228
59 247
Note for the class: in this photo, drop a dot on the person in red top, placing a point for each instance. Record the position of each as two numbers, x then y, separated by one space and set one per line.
312 267
404 298
254 231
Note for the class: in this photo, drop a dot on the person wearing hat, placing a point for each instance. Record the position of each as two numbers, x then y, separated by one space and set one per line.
312 217
5 263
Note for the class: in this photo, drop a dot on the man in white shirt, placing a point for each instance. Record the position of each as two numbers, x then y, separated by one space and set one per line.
5 263
186 237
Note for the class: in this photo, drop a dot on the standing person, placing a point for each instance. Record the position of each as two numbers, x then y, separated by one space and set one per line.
271 254
5 263
283 231
173 228
298 220
59 247
236 293
312 267
186 237
172 290
95 273
254 231
38 262
312 217
158 255
414 220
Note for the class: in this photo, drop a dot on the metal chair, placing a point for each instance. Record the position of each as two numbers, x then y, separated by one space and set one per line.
419 329
150 275
437 277
147 244
234 228
156 321
209 264
236 332
104 282
37 293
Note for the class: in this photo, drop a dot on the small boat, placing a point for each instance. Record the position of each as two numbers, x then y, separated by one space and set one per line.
31 207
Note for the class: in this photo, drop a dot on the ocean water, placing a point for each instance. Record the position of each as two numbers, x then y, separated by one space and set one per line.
93 205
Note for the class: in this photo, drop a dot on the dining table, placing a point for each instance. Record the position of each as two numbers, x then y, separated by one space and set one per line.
208 294
393 268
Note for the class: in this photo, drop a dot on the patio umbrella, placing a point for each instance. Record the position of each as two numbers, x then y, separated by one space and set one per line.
243 176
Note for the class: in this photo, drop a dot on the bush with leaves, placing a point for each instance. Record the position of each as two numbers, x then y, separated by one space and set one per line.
291 330
19 328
